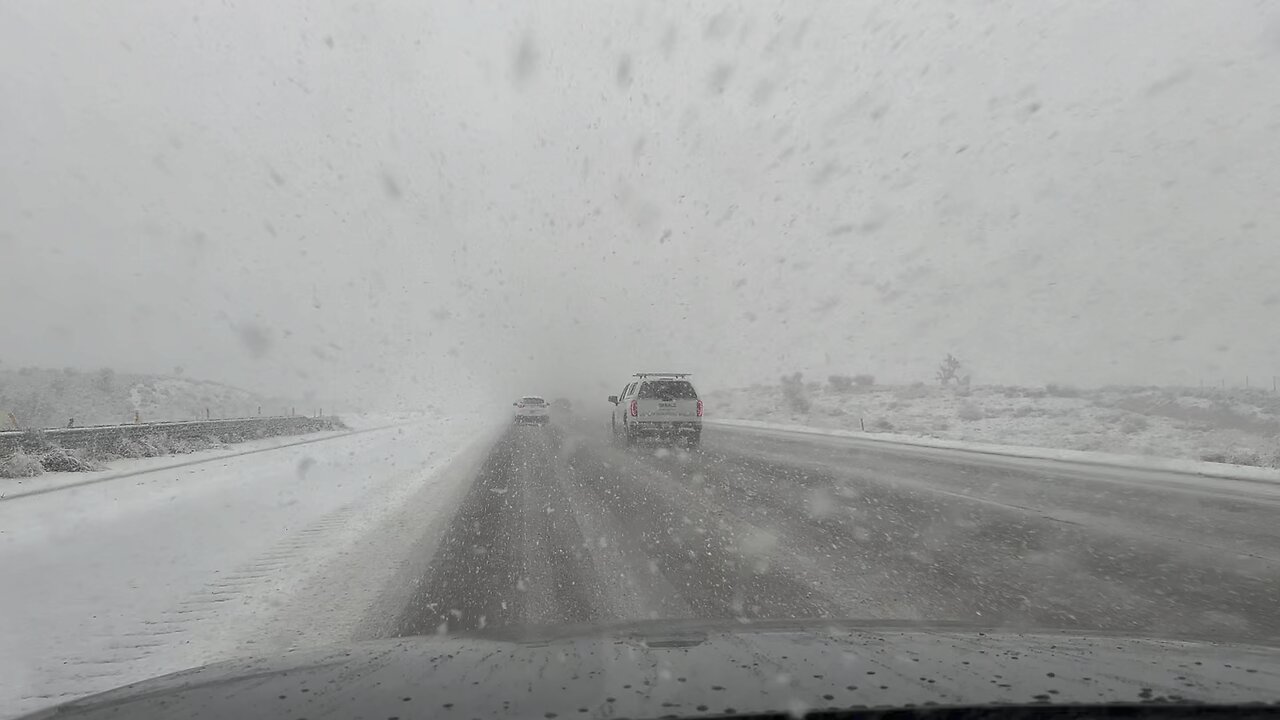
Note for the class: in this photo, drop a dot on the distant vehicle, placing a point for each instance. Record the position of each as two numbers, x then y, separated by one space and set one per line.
658 405
531 410
562 404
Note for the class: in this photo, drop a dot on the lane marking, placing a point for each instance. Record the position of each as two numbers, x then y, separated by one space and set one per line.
1044 514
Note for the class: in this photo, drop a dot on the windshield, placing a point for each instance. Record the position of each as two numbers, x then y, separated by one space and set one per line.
667 390
925 316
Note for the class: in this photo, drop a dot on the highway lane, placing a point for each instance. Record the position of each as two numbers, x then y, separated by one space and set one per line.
562 526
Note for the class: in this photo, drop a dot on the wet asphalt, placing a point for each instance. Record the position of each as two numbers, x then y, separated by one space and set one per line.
563 526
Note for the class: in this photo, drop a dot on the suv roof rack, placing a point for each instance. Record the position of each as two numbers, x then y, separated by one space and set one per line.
661 374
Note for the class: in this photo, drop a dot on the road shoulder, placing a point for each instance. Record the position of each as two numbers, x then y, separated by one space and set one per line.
1081 457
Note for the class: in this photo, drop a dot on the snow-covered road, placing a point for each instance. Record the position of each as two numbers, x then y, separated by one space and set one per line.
119 580
562 526
466 526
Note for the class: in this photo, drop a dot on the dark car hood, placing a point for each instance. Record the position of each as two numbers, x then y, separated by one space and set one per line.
649 670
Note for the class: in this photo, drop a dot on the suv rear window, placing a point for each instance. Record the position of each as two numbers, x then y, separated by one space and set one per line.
668 390
533 401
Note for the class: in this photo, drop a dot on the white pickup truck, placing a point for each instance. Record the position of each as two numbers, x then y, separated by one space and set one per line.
658 405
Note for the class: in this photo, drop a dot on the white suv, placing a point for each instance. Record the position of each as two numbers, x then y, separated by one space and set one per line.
662 405
531 409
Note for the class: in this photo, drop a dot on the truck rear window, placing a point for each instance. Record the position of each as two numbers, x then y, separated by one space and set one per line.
668 390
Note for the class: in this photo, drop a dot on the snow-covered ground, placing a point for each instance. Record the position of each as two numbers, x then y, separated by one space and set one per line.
151 572
114 469
1186 472
364 420
1200 424
49 398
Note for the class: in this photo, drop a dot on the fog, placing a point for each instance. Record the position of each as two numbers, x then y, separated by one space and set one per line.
406 202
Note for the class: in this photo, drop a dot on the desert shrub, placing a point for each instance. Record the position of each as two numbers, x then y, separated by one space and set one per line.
183 446
1087 443
35 441
105 380
1024 411
911 392
835 412
20 465
882 425
841 383
1244 457
793 393
1247 457
61 460
1240 456
1067 391
160 444
969 412
131 448
864 380
949 369
1131 424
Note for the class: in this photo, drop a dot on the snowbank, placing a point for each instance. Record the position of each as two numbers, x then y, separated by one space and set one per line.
1238 426
162 567
1084 457
124 467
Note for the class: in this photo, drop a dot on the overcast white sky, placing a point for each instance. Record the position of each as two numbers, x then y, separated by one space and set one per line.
407 199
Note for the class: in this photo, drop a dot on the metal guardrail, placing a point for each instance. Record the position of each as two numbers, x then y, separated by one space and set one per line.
103 436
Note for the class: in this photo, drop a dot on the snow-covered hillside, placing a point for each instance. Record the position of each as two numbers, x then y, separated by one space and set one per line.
50 398
1239 426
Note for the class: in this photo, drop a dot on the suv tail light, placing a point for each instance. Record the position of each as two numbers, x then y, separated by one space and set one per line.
699 408
635 408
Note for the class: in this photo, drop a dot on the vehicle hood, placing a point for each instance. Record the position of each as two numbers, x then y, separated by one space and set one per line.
657 669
